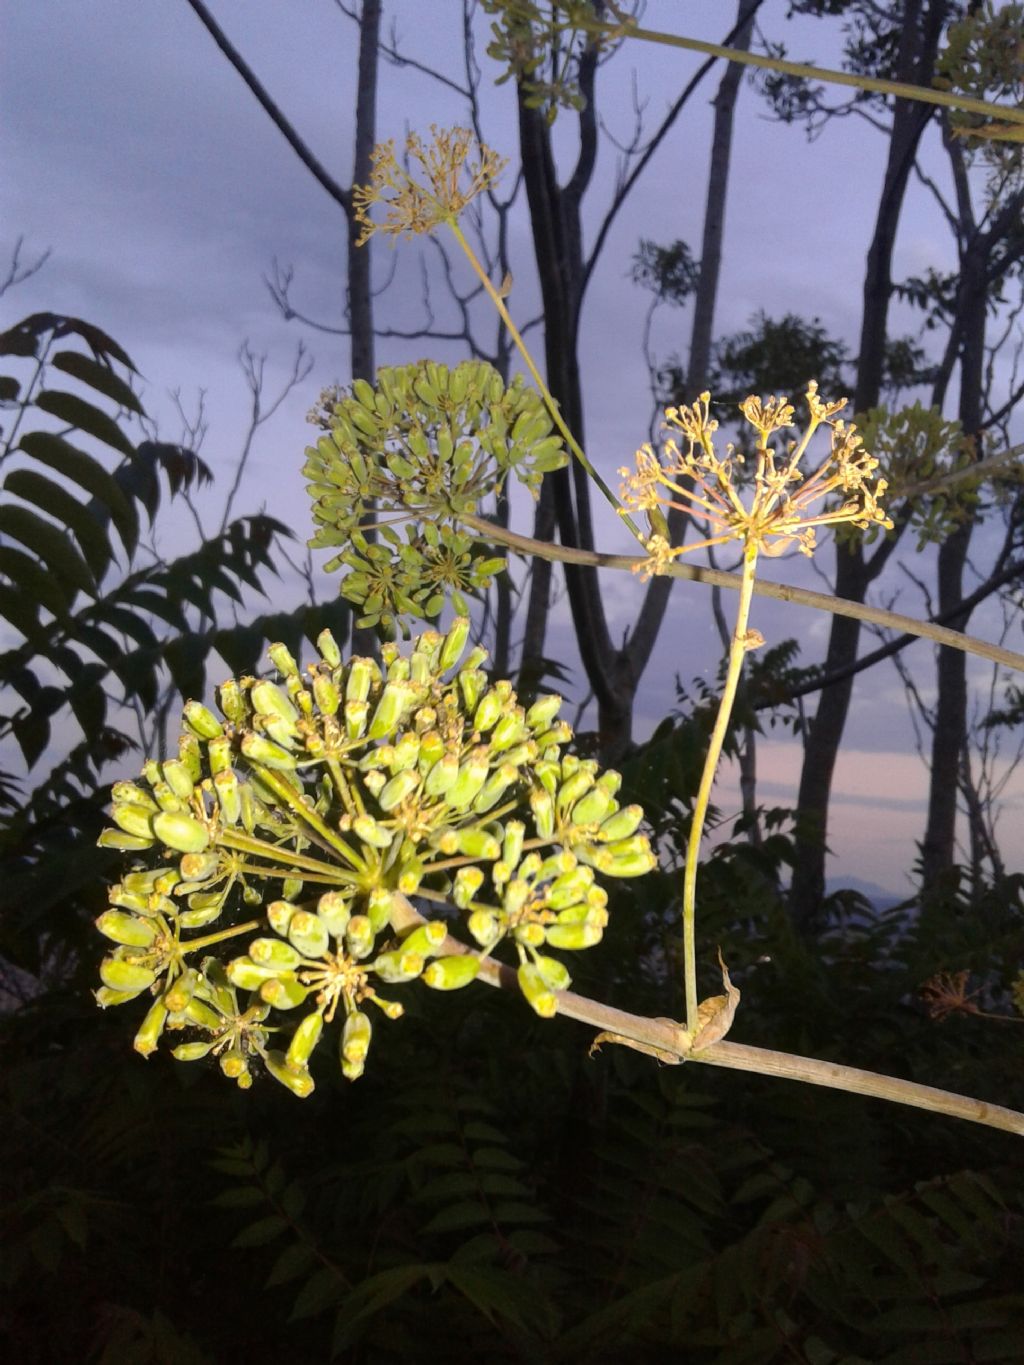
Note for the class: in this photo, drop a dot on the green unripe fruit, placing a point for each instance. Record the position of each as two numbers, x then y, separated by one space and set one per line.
177 777
126 929
284 992
304 1040
554 973
219 753
572 937
454 644
397 966
266 751
191 1052
148 1035
182 832
359 937
451 973
442 776
328 647
299 1082
621 824
468 881
131 794
274 952
122 974
542 713
248 975
333 911
269 700
137 820
282 659
231 701
180 992
538 993
308 933
484 927
543 808
201 721
426 939
402 785
328 697
355 1037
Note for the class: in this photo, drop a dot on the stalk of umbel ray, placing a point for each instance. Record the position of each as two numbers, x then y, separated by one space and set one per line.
740 643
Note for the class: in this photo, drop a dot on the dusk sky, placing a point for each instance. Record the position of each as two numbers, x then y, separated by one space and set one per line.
136 155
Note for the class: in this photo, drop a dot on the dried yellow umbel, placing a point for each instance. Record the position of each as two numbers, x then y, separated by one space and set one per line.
782 508
437 182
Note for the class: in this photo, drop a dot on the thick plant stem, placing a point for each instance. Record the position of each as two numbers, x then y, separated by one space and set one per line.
556 416
738 647
670 1042
780 592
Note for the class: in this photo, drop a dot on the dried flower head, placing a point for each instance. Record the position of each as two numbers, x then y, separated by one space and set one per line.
690 476
435 185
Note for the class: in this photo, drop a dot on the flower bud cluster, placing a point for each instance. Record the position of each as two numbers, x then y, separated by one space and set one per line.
288 831
426 445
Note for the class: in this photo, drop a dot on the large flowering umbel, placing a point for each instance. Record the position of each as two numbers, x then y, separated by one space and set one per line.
272 857
784 508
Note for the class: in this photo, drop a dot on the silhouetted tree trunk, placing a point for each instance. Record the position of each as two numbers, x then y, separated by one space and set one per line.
922 27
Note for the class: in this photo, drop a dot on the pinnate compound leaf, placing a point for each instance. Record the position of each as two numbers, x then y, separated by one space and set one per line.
98 376
84 416
258 1234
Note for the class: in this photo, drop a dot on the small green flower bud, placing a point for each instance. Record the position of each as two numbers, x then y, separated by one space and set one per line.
196 867
204 908
266 751
569 888
538 993
308 933
136 820
184 833
359 937
451 973
512 844
334 911
454 644
126 929
304 1040
177 777
122 974
201 721
198 1012
361 674
559 734
548 774
279 913
468 881
274 952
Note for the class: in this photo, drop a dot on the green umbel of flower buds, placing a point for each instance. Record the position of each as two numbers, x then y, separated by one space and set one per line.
271 857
